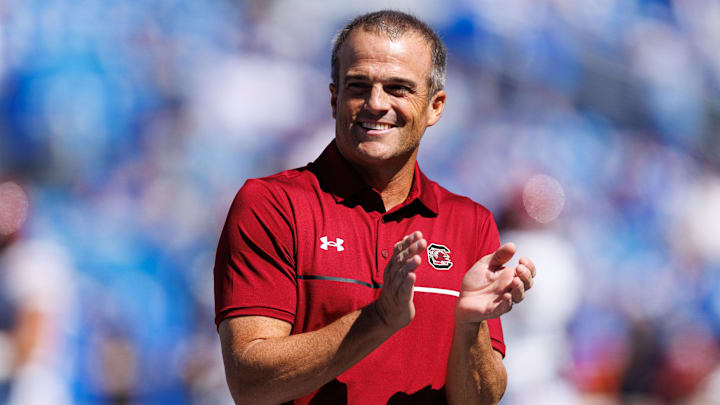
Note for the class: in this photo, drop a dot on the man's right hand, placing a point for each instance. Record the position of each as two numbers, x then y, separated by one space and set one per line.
264 363
395 304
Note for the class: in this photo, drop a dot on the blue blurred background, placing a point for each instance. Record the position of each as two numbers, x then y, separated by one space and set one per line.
131 125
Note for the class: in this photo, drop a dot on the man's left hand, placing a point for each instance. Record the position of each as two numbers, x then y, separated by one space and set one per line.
489 289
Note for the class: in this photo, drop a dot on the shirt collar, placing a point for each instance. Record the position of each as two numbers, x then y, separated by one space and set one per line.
344 182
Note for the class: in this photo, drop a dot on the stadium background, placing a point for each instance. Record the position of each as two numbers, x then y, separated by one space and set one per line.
131 125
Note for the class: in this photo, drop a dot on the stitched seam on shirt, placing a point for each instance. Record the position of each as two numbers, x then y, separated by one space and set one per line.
339 279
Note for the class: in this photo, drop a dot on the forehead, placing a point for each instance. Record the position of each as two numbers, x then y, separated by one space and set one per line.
375 54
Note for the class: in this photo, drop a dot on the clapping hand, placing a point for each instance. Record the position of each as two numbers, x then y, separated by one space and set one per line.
489 289
395 304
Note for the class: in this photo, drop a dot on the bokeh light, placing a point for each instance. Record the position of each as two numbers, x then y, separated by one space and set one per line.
14 207
543 198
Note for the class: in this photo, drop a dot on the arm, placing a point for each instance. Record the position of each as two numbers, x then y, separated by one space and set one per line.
475 372
28 333
265 364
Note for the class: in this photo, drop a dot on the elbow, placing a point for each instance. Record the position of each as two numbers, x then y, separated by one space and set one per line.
248 384
250 376
494 390
238 389
490 394
492 397
245 392
486 390
485 386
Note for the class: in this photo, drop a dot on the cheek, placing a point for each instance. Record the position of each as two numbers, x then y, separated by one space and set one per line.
349 109
414 111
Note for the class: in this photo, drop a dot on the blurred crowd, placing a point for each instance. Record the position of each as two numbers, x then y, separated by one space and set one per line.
127 127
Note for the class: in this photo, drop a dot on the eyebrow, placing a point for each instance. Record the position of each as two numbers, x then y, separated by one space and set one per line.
393 79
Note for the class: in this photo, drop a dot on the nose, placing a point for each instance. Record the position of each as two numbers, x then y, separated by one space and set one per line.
377 100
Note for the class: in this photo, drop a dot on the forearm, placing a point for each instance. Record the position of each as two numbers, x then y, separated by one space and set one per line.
27 334
475 373
279 369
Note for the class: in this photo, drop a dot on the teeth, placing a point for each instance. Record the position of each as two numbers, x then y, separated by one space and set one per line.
375 125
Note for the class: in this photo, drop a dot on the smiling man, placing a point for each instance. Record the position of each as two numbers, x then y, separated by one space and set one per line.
356 279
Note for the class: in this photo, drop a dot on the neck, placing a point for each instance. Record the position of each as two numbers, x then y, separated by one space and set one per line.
392 181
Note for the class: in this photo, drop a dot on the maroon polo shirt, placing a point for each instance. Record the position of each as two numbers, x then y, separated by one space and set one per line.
309 245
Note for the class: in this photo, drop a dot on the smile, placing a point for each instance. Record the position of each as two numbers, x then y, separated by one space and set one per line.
376 126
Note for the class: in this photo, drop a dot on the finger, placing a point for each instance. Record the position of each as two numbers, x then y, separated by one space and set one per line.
504 278
507 301
524 274
517 290
501 256
412 250
409 267
400 245
417 247
400 272
407 241
404 242
399 254
405 288
412 263
529 264
409 282
404 259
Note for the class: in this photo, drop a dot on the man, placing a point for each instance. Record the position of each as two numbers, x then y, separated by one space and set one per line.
356 279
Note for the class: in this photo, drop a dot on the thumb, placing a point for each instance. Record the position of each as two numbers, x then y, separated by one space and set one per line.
501 256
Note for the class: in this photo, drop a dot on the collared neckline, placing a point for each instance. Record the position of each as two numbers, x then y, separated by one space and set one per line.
344 182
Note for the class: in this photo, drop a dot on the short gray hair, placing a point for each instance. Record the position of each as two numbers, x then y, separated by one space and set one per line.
395 24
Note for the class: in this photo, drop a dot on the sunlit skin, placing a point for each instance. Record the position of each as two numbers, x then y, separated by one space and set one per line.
381 103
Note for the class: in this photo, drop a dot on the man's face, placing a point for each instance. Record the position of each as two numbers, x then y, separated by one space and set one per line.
381 105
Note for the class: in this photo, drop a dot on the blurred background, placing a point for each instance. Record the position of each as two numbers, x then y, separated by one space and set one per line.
590 128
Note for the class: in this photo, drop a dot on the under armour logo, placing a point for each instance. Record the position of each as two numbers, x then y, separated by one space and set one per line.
337 244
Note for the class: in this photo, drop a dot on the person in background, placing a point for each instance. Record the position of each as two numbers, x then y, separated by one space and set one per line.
35 300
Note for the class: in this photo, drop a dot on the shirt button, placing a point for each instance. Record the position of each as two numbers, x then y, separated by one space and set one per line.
385 253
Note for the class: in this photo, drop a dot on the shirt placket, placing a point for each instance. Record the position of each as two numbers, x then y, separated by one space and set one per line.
383 248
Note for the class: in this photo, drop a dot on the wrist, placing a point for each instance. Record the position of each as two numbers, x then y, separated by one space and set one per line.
379 319
468 327
468 332
470 316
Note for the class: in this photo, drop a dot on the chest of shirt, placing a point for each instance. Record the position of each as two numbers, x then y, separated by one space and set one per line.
342 251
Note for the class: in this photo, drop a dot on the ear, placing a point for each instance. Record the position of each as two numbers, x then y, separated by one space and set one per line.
436 107
333 100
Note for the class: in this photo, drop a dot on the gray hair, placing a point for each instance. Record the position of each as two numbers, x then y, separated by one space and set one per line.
395 24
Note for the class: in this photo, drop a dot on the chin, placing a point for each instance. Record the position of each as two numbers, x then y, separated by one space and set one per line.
369 152
374 152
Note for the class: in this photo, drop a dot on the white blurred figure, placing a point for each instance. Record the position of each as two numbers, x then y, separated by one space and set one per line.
37 288
538 348
698 219
696 237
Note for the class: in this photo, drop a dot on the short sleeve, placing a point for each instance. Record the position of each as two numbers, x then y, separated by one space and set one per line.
489 235
489 243
254 270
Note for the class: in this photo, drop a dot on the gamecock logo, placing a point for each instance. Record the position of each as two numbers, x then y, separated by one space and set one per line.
439 256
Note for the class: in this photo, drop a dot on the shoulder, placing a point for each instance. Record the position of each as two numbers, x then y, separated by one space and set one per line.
285 182
268 205
277 189
459 204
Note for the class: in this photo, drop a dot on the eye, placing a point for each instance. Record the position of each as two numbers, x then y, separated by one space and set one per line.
397 89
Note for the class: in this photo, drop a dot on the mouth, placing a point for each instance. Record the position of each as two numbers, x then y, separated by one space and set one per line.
375 126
